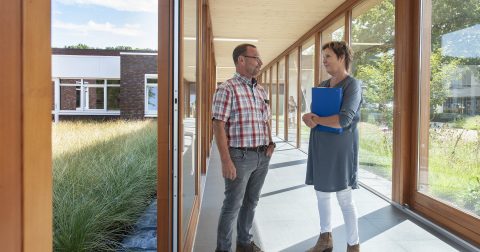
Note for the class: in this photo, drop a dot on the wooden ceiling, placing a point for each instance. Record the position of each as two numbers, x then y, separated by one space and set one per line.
276 24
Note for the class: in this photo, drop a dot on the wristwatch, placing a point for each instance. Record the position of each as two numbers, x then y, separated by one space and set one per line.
272 143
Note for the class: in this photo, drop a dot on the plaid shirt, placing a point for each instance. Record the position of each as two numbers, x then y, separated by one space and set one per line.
243 106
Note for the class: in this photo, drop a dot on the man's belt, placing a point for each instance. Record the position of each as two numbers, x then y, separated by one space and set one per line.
260 148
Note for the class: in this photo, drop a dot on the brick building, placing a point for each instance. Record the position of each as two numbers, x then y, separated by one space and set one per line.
96 83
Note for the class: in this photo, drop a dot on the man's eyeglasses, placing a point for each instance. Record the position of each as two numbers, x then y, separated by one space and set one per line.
253 57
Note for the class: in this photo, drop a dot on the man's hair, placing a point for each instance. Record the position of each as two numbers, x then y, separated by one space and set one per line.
340 48
240 50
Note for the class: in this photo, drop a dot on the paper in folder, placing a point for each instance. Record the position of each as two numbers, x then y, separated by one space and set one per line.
327 102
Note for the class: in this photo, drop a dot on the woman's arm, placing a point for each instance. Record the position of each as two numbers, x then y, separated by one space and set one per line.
329 121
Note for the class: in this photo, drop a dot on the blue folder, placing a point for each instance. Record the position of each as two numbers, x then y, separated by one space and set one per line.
327 102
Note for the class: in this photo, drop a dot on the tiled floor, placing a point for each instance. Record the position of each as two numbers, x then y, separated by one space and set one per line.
287 219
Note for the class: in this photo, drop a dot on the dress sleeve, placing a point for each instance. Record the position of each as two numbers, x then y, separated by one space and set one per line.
221 105
352 98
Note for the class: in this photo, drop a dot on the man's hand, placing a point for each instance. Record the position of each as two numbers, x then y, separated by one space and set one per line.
270 150
308 120
228 170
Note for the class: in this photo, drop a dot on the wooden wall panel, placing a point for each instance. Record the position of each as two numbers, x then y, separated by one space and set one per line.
165 140
25 127
10 126
37 126
405 91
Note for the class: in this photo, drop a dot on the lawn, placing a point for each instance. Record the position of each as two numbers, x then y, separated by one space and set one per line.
104 176
453 161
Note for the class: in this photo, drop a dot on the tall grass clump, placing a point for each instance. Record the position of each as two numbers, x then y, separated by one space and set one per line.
104 176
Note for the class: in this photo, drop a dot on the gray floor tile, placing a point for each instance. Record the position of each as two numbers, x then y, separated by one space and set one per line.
287 218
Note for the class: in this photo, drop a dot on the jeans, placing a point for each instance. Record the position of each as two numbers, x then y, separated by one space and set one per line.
349 212
241 196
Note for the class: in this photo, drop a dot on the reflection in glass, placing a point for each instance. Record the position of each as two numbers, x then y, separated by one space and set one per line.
307 82
95 98
281 99
113 98
152 97
450 167
292 97
189 83
373 46
335 32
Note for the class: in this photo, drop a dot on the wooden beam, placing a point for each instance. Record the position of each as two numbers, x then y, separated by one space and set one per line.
165 138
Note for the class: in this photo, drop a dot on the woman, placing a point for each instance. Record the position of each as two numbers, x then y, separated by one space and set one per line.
333 158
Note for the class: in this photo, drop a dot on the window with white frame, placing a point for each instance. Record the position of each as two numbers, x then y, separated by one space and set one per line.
151 94
89 94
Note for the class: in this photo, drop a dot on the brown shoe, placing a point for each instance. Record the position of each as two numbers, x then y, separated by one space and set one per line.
353 248
324 243
251 247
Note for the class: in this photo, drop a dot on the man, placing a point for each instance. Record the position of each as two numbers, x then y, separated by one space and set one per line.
241 115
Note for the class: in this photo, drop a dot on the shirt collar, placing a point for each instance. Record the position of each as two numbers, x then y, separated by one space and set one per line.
245 80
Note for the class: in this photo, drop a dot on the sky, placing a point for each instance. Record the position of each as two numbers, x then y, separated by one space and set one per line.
102 23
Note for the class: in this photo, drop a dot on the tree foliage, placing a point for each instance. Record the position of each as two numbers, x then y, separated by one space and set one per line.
373 43
79 46
118 48
377 80
441 74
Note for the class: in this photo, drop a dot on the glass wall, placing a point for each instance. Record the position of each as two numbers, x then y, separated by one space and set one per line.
274 83
281 99
334 32
189 150
449 145
292 103
306 83
372 40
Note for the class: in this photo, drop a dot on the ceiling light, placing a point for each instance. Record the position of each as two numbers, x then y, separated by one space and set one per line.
235 39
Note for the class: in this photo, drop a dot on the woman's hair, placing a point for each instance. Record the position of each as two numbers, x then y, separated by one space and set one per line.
340 48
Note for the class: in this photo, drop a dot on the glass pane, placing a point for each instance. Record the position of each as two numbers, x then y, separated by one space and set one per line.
69 97
450 167
152 92
268 86
53 95
274 100
113 98
281 99
96 98
307 82
152 80
373 46
93 82
70 81
189 150
292 97
113 82
335 32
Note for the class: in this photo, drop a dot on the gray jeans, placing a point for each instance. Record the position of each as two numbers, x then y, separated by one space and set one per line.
241 196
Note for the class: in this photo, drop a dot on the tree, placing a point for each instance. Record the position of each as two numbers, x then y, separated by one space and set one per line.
79 46
378 85
442 73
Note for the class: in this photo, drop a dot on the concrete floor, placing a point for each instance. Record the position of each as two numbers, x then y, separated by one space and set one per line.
287 219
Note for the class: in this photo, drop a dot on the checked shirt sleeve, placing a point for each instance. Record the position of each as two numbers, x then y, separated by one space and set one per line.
221 105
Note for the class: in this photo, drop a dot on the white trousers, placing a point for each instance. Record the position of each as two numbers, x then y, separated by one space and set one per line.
349 211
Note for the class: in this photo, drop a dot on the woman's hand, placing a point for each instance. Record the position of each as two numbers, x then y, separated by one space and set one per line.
308 120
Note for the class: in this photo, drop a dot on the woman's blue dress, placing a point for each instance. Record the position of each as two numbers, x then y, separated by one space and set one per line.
332 163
